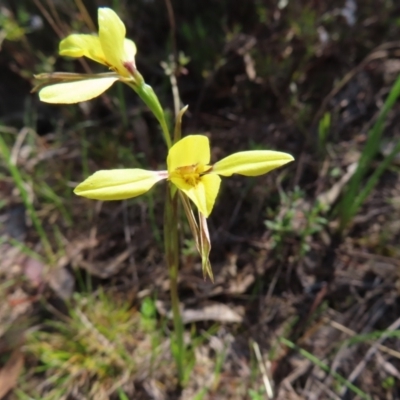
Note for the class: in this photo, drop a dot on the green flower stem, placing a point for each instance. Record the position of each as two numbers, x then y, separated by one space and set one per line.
171 242
172 255
146 93
166 134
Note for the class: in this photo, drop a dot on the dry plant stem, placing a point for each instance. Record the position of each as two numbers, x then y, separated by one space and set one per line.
172 76
172 255
49 18
267 384
85 15
175 90
368 355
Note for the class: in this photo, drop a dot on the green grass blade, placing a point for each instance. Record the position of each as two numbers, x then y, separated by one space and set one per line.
122 395
375 335
348 206
373 180
325 368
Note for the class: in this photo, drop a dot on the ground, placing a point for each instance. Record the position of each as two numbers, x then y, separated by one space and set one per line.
306 298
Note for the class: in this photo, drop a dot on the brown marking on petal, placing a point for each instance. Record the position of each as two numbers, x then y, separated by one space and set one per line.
130 66
207 171
188 169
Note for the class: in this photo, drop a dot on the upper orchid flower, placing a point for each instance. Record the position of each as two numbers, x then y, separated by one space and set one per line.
188 168
109 48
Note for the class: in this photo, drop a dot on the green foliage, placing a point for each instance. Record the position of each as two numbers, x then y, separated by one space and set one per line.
97 342
375 335
258 394
389 382
122 395
148 313
357 192
11 29
324 128
284 224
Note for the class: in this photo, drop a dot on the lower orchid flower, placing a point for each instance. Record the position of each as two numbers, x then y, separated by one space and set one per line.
188 168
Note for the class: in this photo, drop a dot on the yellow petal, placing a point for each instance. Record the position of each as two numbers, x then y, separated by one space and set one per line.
203 194
191 150
116 48
118 184
77 45
75 92
129 50
251 163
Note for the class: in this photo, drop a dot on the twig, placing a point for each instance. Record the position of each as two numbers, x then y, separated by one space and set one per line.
49 18
172 25
85 15
361 365
61 35
18 143
267 384
351 333
174 67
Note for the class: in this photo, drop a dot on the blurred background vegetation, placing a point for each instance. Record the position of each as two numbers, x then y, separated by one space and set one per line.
306 298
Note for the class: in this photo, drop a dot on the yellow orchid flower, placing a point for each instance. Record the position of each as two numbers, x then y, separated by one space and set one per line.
188 168
109 48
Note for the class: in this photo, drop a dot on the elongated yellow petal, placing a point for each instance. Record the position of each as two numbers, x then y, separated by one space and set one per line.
78 45
189 151
203 194
118 184
75 92
251 163
117 50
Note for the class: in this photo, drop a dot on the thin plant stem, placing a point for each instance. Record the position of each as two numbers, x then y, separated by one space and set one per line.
175 63
166 134
325 367
172 255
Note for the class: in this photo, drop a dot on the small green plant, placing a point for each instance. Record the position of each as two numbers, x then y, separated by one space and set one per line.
389 382
324 128
94 343
296 218
258 394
